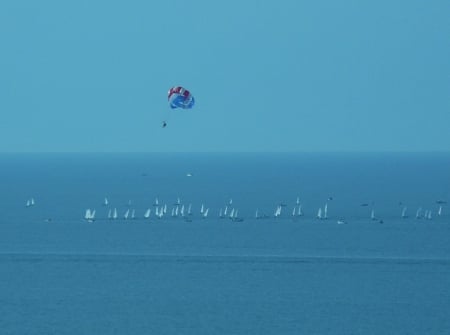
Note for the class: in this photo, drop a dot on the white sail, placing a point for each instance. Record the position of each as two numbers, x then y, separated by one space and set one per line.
232 213
156 202
202 209
127 213
133 212
28 204
299 212
319 213
205 214
298 201
115 214
419 213
32 201
147 213
325 211
182 210
372 215
293 212
277 211
105 202
165 209
87 214
256 214
440 211
189 209
220 213
230 202
225 212
404 212
109 214
176 211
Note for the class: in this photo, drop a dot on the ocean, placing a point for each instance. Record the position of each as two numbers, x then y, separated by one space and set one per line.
197 274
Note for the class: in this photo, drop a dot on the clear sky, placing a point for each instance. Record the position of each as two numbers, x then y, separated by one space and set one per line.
267 75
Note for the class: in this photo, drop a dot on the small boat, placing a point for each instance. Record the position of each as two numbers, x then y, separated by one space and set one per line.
147 213
419 213
89 215
300 212
404 216
319 214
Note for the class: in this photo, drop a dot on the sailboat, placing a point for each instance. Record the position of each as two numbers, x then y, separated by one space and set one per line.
440 211
205 214
277 211
147 213
182 210
404 216
300 212
109 214
189 209
256 214
133 214
372 215
89 215
319 214
105 202
202 209
419 213
127 213
114 216
325 211
156 203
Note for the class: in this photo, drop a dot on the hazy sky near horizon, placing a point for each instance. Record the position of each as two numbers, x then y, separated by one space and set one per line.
272 75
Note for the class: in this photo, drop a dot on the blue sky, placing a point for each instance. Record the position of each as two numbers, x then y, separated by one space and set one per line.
284 75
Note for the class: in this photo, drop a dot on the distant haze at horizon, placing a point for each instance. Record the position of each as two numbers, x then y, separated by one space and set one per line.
267 77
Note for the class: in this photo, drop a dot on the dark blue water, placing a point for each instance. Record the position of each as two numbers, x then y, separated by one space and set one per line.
214 276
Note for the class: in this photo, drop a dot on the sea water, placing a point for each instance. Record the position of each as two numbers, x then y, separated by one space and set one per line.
60 274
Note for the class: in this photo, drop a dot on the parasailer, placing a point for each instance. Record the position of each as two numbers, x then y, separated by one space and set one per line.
179 97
